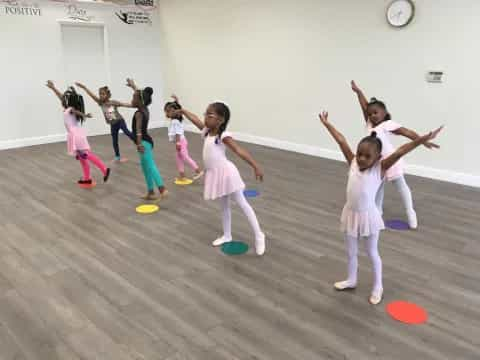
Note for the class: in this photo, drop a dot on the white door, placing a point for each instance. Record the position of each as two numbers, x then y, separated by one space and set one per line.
83 53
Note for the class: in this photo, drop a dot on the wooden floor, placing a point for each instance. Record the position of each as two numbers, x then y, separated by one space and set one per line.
82 276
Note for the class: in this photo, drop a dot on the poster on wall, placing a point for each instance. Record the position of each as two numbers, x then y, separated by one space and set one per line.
129 12
131 17
136 12
20 8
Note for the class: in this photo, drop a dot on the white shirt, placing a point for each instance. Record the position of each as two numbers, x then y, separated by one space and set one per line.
362 186
175 128
384 131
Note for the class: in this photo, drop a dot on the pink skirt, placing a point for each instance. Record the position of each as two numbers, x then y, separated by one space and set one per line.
77 140
361 223
222 180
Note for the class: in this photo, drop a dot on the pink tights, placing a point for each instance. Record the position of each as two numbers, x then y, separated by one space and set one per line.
85 157
183 156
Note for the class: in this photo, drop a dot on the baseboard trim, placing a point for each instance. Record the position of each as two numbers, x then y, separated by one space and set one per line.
417 170
37 140
48 139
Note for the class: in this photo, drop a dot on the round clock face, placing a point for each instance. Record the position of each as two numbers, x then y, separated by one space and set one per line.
400 13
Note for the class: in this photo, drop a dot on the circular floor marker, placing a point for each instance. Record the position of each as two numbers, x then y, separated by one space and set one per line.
147 209
251 193
234 248
397 225
88 186
406 312
183 181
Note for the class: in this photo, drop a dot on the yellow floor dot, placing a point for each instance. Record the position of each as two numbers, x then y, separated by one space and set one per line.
183 181
147 209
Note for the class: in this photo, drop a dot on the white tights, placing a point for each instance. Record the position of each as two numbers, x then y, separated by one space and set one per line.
403 190
239 198
372 251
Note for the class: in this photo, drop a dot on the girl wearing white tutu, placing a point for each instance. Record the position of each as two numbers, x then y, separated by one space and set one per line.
361 217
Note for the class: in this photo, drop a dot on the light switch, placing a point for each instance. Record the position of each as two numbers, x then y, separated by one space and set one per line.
435 76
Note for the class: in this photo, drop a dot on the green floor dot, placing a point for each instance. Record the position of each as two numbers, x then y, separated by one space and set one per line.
234 248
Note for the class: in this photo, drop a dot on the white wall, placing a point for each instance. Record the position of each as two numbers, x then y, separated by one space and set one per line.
31 53
279 62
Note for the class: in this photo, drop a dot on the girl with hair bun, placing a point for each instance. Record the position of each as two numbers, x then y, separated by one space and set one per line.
360 216
142 98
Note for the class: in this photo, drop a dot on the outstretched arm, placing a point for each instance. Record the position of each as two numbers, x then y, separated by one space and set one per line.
339 138
192 117
57 92
405 149
361 99
89 92
79 113
414 136
120 104
245 155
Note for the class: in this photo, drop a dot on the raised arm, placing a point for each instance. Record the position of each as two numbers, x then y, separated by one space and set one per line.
361 99
408 133
89 92
406 148
245 155
57 92
339 138
131 84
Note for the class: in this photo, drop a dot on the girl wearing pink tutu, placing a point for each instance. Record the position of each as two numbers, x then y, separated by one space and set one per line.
222 179
360 217
77 143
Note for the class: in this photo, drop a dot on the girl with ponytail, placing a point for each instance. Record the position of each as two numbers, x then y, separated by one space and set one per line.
176 134
77 142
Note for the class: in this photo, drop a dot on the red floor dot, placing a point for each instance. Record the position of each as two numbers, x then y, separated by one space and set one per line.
406 312
88 186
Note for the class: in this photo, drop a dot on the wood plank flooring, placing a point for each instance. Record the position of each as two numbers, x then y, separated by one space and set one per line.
82 276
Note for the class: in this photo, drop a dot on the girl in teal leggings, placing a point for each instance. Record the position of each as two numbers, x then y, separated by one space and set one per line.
141 100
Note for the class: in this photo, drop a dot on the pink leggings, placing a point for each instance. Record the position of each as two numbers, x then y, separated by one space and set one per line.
90 156
183 156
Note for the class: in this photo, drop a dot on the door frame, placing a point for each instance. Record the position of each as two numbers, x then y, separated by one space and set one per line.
106 47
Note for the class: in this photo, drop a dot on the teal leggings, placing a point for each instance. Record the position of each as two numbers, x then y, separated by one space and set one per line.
150 171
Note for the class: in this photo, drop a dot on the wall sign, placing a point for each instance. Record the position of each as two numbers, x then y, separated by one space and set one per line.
76 13
146 5
134 17
21 8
